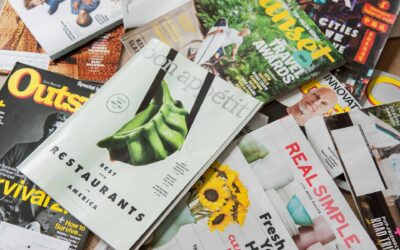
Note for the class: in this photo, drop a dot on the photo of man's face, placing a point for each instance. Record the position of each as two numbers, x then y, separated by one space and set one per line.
317 101
53 127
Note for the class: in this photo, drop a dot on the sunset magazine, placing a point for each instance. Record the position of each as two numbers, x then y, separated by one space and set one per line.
307 200
358 29
62 26
264 48
162 120
33 104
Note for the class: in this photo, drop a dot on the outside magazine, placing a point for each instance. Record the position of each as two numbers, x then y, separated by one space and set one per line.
62 26
170 122
265 48
374 136
307 200
358 29
33 104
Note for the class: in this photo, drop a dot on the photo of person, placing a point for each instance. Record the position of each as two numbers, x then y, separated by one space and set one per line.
17 211
315 103
83 8
217 39
80 8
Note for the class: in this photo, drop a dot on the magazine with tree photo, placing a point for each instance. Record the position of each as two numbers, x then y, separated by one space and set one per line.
265 48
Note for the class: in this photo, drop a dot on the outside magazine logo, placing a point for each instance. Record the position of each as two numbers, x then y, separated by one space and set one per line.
60 99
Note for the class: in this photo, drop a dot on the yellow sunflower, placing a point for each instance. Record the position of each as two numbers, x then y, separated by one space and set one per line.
240 215
213 194
229 174
240 192
219 220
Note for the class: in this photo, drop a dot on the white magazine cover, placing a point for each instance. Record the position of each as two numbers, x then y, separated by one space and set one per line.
226 209
140 12
382 89
13 237
310 205
129 155
60 26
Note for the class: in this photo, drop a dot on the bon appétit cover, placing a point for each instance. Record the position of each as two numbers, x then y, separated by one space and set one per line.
162 121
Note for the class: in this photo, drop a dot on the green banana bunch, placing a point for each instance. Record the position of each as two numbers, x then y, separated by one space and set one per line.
153 134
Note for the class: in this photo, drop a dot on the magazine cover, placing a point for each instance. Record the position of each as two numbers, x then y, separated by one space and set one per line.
359 30
171 119
226 209
137 13
33 104
307 200
14 237
265 48
323 96
178 29
62 26
373 176
382 89
318 133
96 61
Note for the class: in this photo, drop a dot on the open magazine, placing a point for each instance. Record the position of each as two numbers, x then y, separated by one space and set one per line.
264 48
33 104
373 136
307 200
170 120
359 30
62 26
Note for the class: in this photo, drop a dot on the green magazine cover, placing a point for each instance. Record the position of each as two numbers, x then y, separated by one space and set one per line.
265 47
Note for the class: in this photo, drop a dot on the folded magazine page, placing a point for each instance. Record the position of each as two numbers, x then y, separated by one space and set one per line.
226 209
359 30
318 133
62 26
382 89
265 48
14 237
33 104
307 200
373 176
178 28
137 13
170 120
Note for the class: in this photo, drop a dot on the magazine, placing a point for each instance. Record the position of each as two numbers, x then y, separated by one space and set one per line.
318 133
97 61
170 120
34 103
14 237
359 30
226 209
323 96
179 28
373 176
265 48
307 200
382 89
62 26
137 13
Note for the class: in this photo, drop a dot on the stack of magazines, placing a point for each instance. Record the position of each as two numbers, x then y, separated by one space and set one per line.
258 124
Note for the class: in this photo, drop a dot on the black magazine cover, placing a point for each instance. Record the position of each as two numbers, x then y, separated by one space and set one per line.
33 103
359 30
